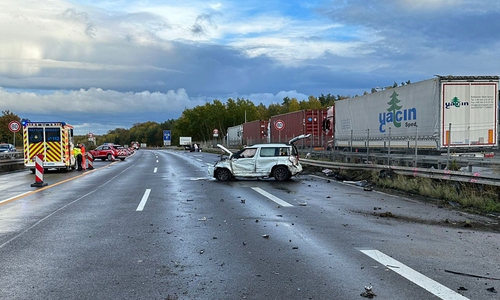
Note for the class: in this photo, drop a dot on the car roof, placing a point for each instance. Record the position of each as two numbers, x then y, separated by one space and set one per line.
269 145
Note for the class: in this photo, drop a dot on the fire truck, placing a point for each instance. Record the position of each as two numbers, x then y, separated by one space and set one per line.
54 140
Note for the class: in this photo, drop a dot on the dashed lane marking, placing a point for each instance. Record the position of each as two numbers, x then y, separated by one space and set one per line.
272 197
425 282
143 200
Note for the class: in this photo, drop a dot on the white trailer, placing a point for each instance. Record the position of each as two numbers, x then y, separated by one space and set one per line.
235 135
456 111
184 140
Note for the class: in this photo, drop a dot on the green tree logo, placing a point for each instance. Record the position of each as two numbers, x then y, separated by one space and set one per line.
393 107
455 102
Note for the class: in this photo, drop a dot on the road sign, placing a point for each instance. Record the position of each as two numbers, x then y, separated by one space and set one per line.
14 126
167 138
279 124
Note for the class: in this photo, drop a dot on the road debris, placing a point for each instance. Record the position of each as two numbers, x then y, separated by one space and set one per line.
492 289
303 203
362 183
471 275
327 171
368 293
387 215
462 289
202 219
242 201
266 236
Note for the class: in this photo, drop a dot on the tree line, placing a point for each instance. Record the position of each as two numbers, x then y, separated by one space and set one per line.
197 122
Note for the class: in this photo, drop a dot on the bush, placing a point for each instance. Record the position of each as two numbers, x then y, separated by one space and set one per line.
468 195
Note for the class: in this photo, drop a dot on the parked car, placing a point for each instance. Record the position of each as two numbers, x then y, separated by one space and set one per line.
7 148
278 160
108 151
122 151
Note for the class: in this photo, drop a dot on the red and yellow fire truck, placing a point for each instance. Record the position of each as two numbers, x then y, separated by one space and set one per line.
54 140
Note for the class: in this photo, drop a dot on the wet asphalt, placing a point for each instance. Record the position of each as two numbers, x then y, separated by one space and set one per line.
156 226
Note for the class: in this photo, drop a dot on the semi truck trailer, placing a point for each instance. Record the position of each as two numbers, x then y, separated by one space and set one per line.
458 112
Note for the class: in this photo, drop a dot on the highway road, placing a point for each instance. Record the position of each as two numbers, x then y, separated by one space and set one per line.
155 226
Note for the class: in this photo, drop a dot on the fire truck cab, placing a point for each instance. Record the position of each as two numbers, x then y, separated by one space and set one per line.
53 140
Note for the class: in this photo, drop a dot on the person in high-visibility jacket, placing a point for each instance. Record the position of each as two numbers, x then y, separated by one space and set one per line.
77 152
84 163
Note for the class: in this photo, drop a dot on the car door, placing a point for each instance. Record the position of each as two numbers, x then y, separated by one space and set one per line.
243 163
268 158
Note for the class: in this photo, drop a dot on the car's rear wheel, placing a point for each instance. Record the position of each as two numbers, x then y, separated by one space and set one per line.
281 173
222 174
109 157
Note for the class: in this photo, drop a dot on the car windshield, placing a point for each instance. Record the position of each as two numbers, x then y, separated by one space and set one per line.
4 147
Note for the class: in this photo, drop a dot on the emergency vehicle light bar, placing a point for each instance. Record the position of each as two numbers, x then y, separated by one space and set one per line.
45 124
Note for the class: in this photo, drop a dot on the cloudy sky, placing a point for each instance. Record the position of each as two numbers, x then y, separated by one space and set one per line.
105 64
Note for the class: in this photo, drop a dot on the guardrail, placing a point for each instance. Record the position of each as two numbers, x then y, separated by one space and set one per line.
11 160
473 177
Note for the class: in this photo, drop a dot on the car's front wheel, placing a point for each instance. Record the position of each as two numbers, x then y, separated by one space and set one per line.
281 173
223 174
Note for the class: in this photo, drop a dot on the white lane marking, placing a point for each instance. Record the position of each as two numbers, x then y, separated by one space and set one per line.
144 200
272 197
425 282
156 169
20 195
156 160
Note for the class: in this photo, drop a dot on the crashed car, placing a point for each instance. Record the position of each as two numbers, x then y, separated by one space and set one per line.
278 160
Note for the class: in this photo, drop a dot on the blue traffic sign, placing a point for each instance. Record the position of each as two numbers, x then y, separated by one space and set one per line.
166 135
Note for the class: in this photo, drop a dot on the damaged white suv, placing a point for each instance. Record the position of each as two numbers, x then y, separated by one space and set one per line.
279 160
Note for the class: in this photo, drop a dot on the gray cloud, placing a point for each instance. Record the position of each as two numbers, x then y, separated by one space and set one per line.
139 62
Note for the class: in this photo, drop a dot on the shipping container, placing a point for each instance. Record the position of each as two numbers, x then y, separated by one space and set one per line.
255 132
286 126
427 114
234 136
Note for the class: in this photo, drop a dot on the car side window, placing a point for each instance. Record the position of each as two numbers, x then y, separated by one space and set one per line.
248 153
284 151
267 152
